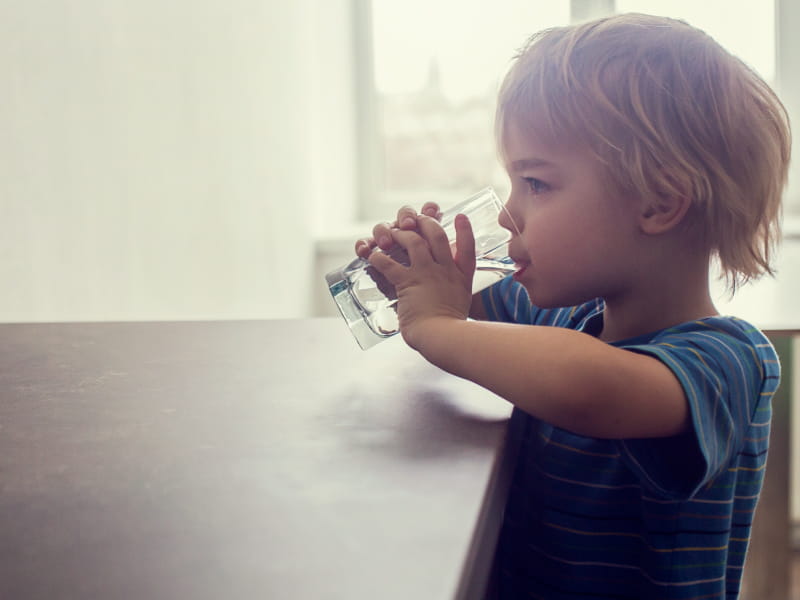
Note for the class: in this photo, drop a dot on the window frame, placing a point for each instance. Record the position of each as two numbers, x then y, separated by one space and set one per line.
787 85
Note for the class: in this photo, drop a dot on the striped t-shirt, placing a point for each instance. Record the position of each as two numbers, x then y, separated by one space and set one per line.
641 518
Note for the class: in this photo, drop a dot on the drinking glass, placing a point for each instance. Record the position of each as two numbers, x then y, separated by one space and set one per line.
368 302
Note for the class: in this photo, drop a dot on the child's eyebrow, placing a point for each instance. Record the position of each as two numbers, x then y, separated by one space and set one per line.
529 163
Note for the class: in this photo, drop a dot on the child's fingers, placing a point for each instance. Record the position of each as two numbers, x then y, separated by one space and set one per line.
406 218
465 245
416 249
364 247
431 209
437 240
389 268
382 234
415 245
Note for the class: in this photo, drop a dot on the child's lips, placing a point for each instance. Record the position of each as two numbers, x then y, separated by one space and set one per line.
521 266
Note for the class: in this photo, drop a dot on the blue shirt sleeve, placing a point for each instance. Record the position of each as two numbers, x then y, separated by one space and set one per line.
729 372
507 301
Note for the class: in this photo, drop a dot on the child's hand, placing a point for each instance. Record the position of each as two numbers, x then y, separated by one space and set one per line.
382 232
436 284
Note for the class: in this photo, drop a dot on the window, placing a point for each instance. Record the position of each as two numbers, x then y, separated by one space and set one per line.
429 83
429 94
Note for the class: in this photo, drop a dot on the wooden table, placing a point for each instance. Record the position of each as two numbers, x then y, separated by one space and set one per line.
269 459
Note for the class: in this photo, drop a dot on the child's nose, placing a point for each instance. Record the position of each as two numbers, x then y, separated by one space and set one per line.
506 220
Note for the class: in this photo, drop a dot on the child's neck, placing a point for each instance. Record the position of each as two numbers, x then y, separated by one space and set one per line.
678 294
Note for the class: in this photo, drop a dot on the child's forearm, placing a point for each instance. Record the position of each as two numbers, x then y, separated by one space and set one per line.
564 377
477 309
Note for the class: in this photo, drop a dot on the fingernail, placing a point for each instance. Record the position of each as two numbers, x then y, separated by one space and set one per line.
408 222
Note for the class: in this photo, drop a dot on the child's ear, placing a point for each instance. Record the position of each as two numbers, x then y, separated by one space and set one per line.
663 213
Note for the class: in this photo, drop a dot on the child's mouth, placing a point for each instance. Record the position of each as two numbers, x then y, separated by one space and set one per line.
521 268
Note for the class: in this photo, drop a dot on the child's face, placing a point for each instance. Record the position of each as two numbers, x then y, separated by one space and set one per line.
577 238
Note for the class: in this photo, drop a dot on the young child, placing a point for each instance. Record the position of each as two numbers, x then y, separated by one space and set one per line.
638 151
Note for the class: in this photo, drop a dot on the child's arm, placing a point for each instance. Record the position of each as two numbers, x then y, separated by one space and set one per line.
567 378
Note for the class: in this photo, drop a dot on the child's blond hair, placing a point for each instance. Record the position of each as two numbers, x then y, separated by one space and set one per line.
668 111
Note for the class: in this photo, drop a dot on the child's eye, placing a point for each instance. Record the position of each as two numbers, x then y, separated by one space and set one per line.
536 186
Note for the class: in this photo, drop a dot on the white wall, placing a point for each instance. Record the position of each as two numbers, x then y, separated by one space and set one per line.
156 156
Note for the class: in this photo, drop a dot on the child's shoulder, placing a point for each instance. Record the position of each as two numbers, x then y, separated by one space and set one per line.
718 331
715 349
715 330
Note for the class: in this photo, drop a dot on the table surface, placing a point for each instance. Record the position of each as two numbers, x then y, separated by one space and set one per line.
240 459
